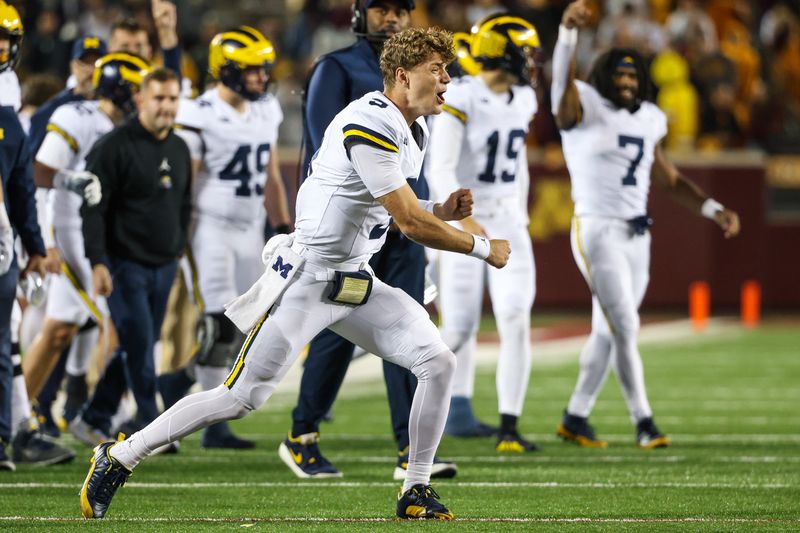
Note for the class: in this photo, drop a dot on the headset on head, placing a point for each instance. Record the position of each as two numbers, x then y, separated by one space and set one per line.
358 20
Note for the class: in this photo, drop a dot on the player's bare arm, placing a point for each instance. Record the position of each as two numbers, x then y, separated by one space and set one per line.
275 194
43 175
689 195
566 102
425 228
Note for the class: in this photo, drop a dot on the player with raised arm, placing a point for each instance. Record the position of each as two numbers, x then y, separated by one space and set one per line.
611 135
479 143
318 278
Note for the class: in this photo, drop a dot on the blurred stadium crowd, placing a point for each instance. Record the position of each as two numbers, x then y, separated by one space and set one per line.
727 72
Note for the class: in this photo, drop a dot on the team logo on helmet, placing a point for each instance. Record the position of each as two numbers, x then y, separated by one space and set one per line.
506 42
231 52
117 77
11 29
464 64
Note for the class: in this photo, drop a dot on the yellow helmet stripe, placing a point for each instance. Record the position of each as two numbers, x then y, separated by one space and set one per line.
136 61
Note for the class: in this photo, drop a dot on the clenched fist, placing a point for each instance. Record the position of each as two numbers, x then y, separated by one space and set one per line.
499 252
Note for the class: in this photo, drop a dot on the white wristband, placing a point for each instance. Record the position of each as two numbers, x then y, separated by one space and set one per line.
480 247
427 205
710 208
568 36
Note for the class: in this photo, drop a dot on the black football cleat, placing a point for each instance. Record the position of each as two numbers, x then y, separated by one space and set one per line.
105 476
34 448
514 443
649 437
421 501
577 429
301 454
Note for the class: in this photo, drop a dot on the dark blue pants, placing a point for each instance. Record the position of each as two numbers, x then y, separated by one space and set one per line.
8 291
137 304
401 264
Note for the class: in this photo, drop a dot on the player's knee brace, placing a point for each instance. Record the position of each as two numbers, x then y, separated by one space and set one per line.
219 340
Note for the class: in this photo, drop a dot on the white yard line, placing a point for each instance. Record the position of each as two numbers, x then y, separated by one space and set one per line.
448 484
327 519
639 458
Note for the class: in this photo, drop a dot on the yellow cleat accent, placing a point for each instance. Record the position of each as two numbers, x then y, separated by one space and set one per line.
580 440
86 507
415 511
659 442
509 446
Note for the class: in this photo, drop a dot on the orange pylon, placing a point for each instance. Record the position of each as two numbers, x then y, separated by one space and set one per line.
699 304
751 303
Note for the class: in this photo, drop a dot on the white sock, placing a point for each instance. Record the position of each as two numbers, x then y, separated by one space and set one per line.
514 365
428 415
188 415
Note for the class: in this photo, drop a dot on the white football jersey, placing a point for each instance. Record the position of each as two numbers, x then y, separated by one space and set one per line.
495 128
609 154
72 131
338 216
235 153
10 92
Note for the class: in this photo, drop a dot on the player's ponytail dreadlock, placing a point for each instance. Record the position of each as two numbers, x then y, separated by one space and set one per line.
602 74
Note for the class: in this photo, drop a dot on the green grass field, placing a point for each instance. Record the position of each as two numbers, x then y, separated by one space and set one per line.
729 402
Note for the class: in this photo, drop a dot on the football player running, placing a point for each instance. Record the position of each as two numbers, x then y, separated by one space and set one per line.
611 134
60 161
318 278
232 133
479 143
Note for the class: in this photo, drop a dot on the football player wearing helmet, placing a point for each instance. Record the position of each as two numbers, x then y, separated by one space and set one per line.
72 131
232 133
479 143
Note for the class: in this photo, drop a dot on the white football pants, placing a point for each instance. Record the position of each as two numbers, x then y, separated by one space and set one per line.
69 296
615 263
391 324
227 258
462 280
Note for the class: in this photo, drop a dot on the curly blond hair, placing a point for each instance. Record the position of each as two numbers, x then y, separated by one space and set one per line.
412 47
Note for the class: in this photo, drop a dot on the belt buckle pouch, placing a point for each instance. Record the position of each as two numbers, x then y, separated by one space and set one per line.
351 288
